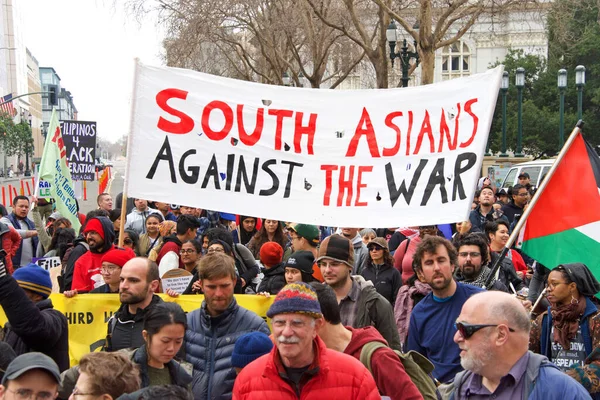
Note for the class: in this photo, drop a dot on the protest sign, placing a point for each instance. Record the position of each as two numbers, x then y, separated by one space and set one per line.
80 141
377 158
54 169
88 314
47 262
176 279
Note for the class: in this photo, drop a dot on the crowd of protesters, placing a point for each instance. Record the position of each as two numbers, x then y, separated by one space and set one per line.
357 313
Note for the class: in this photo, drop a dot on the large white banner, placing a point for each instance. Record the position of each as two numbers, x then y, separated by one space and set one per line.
361 158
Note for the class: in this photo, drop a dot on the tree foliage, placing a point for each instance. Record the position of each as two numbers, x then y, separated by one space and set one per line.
573 33
15 139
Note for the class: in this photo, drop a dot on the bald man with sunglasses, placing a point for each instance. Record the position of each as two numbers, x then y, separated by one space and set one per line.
492 332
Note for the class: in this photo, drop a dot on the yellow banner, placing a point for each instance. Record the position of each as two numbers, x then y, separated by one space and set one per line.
88 314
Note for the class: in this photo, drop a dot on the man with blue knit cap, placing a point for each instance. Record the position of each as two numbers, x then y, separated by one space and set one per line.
248 348
33 323
300 365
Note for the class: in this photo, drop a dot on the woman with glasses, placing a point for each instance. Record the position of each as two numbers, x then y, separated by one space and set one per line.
131 240
380 270
152 238
568 333
112 263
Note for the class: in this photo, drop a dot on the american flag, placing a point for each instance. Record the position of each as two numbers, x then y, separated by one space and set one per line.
7 105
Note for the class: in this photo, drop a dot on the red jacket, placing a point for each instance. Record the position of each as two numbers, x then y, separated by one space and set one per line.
336 376
11 241
389 374
86 275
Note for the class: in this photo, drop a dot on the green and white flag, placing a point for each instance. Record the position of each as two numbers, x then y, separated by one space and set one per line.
55 170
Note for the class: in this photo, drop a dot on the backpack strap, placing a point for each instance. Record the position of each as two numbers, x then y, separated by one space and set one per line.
366 353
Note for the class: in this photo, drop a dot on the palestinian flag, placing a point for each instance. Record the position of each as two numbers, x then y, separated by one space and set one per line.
564 225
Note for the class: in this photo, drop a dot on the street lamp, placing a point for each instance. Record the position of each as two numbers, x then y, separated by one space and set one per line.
520 83
504 91
405 56
285 77
580 83
562 85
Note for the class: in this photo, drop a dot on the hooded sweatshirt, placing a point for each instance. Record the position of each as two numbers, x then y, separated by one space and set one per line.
86 275
387 370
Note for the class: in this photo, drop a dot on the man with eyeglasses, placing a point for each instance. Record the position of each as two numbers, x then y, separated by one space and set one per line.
99 235
492 332
472 259
432 320
30 376
520 197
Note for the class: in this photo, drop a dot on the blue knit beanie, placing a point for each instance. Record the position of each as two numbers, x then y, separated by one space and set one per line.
296 298
249 347
35 278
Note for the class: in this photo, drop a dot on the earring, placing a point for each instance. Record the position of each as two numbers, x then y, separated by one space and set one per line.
574 300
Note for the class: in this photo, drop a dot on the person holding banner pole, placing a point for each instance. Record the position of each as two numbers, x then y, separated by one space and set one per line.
515 233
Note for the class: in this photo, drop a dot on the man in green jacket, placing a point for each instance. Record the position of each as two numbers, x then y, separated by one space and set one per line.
360 304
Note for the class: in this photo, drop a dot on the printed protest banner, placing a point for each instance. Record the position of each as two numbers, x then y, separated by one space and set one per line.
80 140
88 315
47 262
54 169
377 158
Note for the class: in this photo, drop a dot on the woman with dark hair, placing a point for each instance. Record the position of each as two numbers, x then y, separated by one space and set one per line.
131 240
299 267
61 240
115 218
152 238
568 333
245 230
164 330
270 231
191 251
380 270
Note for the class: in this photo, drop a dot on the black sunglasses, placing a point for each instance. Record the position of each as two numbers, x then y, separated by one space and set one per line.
468 330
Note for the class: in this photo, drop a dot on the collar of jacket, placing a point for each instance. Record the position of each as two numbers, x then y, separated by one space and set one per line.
209 320
124 314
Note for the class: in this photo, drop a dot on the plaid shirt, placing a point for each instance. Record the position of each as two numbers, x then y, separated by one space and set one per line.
349 305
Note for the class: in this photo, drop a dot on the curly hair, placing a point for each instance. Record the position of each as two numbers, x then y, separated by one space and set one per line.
110 373
430 245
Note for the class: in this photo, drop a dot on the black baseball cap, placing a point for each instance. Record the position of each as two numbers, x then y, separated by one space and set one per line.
524 175
28 361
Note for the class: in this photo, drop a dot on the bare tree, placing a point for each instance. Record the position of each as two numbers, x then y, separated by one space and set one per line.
443 22
365 24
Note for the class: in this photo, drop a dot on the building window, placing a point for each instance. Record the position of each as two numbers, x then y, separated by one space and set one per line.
456 60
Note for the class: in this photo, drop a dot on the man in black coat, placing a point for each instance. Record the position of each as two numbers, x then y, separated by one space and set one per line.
33 323
139 282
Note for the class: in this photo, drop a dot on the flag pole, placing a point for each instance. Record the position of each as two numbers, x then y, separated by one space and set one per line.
136 74
515 233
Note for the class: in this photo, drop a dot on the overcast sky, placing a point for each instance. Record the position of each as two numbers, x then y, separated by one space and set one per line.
91 45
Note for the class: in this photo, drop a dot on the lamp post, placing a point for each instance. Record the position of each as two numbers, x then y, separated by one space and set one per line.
580 83
520 83
562 85
405 56
285 77
504 91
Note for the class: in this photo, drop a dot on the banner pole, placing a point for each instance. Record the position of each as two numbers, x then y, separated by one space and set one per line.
515 233
129 144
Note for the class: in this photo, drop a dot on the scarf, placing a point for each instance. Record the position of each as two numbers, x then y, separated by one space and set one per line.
565 320
480 280
405 304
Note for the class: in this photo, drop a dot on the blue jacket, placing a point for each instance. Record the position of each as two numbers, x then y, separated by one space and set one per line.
209 343
34 240
546 339
543 380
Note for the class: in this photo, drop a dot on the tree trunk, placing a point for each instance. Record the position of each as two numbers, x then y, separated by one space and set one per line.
427 65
